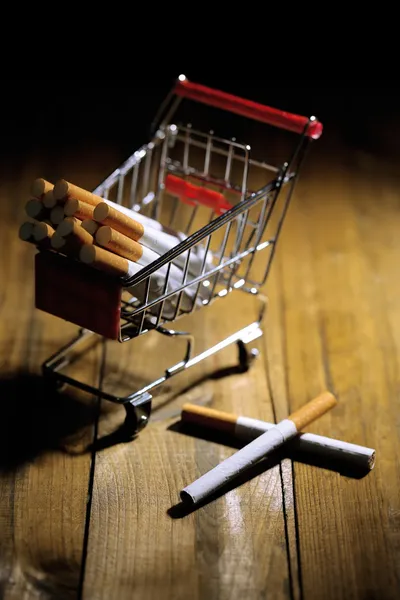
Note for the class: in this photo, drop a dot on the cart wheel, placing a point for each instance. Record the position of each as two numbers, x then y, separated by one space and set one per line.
137 415
245 356
51 381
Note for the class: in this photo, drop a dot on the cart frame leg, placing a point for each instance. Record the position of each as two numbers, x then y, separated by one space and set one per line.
138 405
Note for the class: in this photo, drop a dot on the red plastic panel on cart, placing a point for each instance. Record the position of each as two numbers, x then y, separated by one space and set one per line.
78 294
189 191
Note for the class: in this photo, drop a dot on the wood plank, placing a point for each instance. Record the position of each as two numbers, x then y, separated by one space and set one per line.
230 547
233 546
339 268
43 484
274 356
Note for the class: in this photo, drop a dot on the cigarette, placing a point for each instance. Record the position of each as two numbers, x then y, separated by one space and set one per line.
119 243
48 199
65 190
39 188
150 233
79 209
258 449
70 237
35 210
36 233
108 215
106 261
155 241
26 232
42 234
124 246
72 226
58 242
247 429
90 226
57 214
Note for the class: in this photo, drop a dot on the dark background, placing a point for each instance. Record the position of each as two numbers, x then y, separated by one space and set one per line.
87 116
83 130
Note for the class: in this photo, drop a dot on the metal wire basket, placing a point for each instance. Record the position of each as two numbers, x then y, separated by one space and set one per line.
195 185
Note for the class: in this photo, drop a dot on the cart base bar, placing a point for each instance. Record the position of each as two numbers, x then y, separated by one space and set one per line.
138 404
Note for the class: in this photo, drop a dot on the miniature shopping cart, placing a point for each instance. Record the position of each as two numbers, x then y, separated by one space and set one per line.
196 186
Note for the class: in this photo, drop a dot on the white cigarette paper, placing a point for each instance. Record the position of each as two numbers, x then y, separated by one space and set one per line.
239 462
247 429
318 445
157 284
156 240
259 448
156 288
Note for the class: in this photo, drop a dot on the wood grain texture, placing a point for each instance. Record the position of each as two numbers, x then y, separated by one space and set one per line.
341 333
294 530
43 475
232 547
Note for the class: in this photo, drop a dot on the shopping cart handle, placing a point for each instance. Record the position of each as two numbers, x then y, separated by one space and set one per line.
248 108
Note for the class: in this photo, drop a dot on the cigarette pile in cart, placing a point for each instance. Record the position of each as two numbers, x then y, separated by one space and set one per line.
72 221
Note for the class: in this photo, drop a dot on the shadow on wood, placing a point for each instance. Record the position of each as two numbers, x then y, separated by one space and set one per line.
36 418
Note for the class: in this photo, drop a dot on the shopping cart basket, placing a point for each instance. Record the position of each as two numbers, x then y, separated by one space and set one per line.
196 186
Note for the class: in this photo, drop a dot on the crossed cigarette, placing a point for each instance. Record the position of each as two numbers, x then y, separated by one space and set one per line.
264 438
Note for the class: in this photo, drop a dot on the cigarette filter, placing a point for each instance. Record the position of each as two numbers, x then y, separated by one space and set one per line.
48 199
70 237
64 190
106 261
257 449
29 232
66 227
77 208
247 429
26 232
57 214
90 226
42 234
39 188
35 210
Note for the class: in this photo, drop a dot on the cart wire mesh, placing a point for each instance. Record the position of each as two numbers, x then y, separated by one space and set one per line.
220 248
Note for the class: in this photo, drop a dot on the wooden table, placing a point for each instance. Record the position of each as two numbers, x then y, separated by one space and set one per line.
294 531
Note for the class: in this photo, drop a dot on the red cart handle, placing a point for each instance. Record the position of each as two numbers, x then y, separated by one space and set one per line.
248 108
